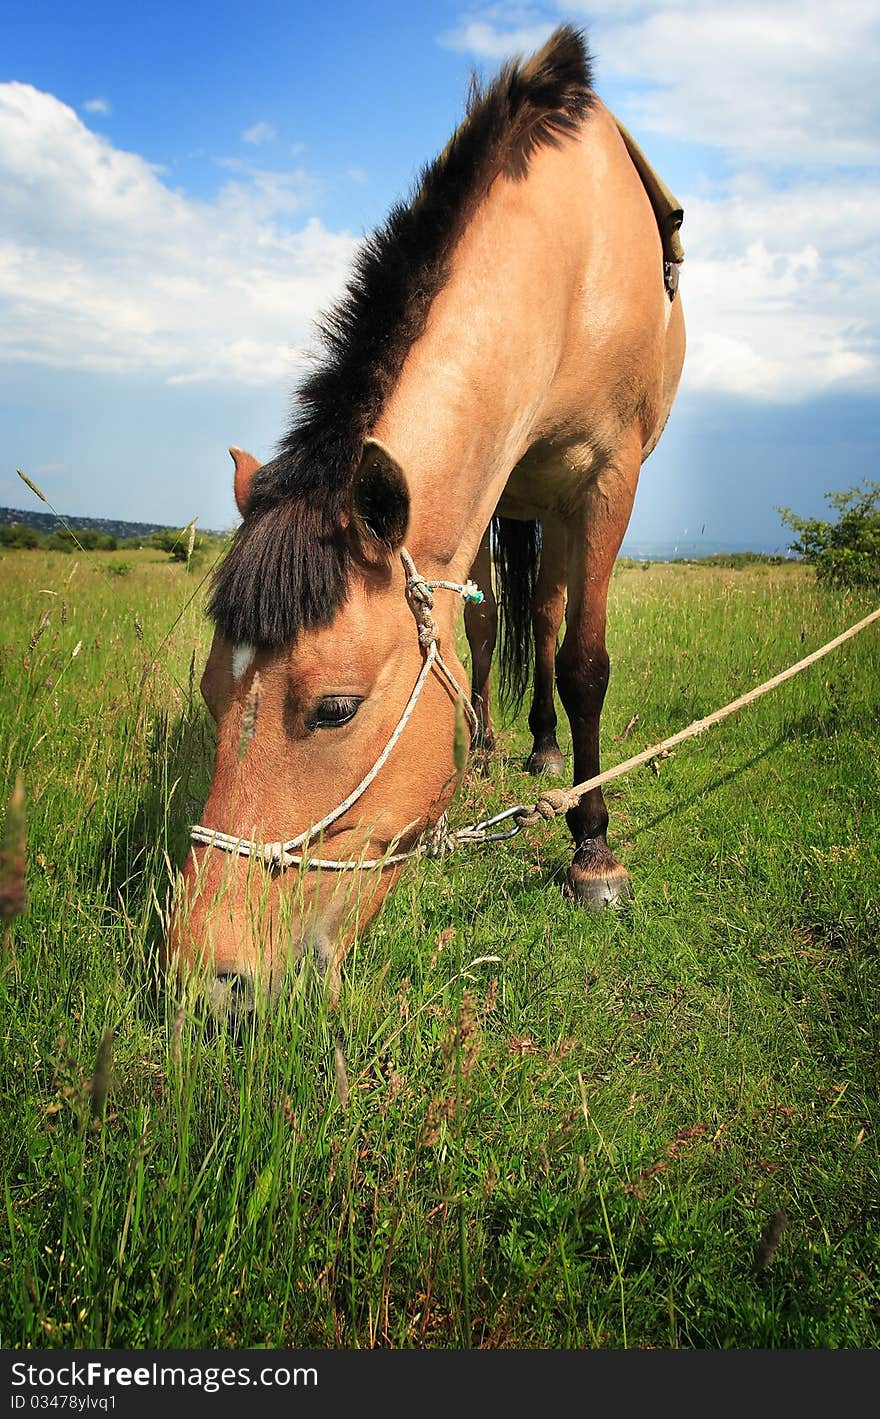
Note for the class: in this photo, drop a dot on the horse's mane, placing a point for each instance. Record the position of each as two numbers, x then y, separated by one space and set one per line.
289 563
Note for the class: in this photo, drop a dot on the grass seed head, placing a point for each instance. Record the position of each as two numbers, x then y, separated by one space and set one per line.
176 1032
440 1111
770 1239
13 856
33 487
464 1037
101 1077
443 941
460 737
44 621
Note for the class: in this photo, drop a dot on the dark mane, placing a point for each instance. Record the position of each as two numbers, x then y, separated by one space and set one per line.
289 564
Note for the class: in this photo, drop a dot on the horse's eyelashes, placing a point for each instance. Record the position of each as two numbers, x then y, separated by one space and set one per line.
334 711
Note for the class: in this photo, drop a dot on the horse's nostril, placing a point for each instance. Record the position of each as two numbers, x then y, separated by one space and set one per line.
231 994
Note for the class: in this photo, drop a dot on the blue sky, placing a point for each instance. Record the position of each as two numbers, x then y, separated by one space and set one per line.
182 190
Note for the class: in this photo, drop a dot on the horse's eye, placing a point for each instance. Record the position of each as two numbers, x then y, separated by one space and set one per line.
333 711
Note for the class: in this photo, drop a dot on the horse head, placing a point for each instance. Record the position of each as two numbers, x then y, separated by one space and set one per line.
334 747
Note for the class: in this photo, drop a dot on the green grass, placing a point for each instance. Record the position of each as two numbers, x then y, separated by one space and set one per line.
576 1142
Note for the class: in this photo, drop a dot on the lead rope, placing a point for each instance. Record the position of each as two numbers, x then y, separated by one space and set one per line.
559 800
420 594
556 801
551 804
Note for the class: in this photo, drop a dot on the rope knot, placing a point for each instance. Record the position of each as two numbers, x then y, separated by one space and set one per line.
440 839
420 591
428 632
552 803
556 800
421 598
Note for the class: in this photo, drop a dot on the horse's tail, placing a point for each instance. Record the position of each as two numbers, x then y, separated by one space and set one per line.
517 554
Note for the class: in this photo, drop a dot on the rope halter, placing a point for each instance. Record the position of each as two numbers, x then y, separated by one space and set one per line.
420 595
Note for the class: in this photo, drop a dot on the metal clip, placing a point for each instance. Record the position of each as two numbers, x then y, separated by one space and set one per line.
478 833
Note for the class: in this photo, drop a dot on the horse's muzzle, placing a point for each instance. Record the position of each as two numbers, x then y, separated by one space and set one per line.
231 996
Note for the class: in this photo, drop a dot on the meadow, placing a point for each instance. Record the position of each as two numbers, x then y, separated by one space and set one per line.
656 1127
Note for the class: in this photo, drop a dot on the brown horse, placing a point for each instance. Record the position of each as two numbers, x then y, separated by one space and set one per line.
508 347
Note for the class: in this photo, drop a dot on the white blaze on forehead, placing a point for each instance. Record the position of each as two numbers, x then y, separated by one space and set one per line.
242 656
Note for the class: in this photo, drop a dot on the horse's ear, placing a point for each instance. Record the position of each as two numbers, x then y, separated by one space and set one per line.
245 468
380 501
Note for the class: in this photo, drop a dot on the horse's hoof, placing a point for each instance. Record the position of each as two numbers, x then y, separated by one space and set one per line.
597 889
545 761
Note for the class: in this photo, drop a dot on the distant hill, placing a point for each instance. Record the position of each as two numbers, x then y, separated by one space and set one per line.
114 527
654 552
697 549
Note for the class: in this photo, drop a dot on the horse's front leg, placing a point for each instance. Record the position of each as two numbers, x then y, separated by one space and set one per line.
547 611
595 879
481 629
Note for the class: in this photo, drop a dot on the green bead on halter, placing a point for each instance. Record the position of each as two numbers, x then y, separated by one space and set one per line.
468 591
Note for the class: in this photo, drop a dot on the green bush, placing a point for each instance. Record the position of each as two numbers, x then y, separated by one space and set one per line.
176 542
166 541
17 534
60 541
80 539
845 552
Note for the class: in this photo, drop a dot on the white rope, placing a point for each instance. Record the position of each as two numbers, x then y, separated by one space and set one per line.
551 804
560 800
284 854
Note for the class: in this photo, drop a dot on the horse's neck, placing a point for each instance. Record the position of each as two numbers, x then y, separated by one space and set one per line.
472 387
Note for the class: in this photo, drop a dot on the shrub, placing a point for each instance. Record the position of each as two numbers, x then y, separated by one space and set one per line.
165 541
17 534
845 552
80 539
176 542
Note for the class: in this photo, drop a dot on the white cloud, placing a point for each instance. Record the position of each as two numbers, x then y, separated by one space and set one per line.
780 285
488 41
505 29
98 106
358 175
259 133
104 267
788 83
266 192
781 294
